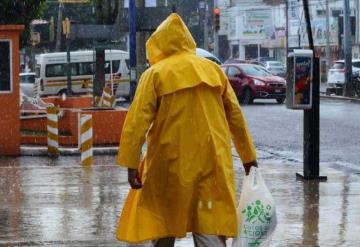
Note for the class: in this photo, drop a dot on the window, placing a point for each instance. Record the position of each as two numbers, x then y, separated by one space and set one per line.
59 70
232 71
54 70
254 70
338 65
356 64
28 79
115 66
5 66
321 12
86 68
37 71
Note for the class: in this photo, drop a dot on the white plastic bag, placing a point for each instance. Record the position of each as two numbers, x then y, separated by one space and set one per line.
256 212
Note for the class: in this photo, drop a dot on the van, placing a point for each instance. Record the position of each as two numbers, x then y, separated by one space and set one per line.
51 72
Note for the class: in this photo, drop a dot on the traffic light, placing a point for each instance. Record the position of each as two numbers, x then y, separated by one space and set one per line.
217 19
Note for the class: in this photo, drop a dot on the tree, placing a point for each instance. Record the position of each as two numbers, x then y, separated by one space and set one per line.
21 12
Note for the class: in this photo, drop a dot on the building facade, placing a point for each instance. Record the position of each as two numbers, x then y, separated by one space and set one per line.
256 29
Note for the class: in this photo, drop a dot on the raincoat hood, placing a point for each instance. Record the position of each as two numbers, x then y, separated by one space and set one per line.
171 37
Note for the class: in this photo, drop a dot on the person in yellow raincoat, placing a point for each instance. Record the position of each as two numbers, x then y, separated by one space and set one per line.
187 112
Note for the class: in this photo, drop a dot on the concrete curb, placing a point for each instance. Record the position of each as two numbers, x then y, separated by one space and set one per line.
42 151
354 100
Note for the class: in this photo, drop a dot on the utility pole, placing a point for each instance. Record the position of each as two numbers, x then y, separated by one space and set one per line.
132 44
348 89
66 30
357 22
58 27
140 46
287 27
328 52
206 26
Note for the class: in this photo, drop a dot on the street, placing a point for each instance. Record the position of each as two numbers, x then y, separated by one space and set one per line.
278 131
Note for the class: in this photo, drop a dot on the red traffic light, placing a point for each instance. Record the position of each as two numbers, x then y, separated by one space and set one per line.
217 11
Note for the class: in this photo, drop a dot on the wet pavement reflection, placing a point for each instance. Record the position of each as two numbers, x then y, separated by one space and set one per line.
49 202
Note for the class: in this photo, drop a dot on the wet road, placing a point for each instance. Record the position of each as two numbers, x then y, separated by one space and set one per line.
45 202
279 131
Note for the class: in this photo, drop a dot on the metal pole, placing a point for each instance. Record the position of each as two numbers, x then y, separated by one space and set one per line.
357 21
258 51
328 52
347 50
206 27
216 36
69 90
311 168
58 28
132 43
287 27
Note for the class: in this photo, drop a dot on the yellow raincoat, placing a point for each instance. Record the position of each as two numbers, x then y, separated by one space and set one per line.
187 111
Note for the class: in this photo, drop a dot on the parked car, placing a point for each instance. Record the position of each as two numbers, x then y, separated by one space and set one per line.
252 82
336 75
235 60
204 53
275 67
27 81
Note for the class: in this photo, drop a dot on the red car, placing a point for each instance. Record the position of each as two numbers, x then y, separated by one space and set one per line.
251 82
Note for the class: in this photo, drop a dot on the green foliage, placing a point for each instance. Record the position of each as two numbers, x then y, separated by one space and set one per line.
21 12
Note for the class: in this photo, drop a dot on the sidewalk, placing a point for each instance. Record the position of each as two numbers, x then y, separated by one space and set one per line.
56 202
323 95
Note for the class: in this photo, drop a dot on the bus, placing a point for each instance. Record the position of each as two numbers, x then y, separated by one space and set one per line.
51 73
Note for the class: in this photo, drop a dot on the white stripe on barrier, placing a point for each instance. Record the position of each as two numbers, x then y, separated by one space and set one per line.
88 153
52 143
52 130
52 117
85 118
86 135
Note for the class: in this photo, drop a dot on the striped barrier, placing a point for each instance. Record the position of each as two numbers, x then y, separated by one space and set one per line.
86 139
89 86
97 101
52 131
35 90
107 98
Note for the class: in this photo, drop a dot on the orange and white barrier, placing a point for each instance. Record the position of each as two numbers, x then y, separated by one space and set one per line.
52 131
107 98
86 139
35 90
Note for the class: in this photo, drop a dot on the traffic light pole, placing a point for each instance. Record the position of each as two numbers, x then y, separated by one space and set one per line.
216 35
311 167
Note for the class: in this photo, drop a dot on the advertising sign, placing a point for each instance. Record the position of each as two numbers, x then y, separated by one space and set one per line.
303 80
299 87
256 24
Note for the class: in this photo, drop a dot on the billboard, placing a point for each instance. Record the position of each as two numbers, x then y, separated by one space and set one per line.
256 24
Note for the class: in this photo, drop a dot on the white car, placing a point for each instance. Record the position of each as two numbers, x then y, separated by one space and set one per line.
275 67
27 81
336 75
204 53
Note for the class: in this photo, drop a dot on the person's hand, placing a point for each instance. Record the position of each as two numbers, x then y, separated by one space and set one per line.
134 179
248 166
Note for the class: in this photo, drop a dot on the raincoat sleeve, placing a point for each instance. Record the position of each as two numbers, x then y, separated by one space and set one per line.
240 133
138 120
